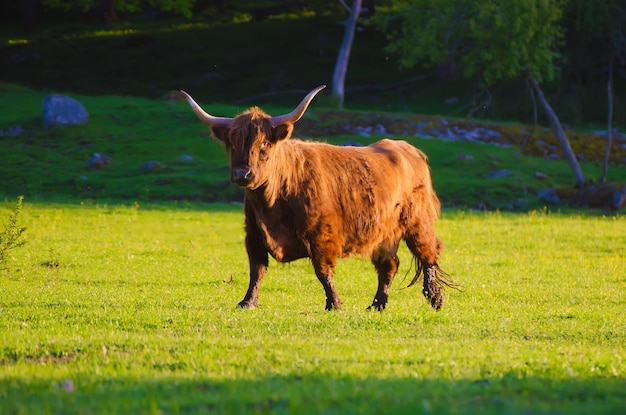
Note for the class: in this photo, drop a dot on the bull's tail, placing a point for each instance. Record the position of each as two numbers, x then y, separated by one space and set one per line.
442 278
435 281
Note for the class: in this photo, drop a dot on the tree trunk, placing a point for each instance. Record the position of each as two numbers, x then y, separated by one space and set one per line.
609 131
560 133
534 102
341 67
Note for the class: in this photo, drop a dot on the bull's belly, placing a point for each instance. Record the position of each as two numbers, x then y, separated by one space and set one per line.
284 245
363 238
287 254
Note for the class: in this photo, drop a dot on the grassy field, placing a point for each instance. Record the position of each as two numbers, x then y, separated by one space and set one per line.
132 309
123 299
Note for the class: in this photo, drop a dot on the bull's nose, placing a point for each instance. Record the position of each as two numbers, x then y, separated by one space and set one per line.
241 176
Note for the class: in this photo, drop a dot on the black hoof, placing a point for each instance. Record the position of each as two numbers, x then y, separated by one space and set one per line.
247 304
377 305
435 298
332 306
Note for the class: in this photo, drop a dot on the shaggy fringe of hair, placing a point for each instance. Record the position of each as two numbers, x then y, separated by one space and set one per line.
442 279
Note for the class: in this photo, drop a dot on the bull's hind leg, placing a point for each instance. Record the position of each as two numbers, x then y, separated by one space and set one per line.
326 274
386 264
426 247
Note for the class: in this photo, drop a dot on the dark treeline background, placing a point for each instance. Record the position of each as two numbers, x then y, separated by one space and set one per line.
32 12
592 43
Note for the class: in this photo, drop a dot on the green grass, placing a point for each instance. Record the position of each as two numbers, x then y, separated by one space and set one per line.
132 309
53 165
124 298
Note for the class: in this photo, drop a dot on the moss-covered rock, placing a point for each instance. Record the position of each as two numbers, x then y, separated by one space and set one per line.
536 141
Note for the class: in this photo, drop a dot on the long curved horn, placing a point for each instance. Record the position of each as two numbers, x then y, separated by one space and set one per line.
296 114
206 118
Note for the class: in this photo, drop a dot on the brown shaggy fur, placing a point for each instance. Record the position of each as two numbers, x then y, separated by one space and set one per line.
315 200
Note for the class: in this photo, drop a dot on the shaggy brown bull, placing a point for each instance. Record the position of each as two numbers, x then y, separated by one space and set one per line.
316 200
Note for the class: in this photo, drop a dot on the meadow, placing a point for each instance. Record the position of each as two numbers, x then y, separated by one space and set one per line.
123 299
131 308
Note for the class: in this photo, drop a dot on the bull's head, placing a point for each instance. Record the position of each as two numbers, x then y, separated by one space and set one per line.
250 137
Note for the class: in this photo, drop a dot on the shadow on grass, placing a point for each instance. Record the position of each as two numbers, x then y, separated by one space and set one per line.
313 393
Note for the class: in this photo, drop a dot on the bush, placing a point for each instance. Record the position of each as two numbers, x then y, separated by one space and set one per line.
12 236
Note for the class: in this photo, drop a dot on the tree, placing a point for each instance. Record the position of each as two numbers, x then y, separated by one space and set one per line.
489 40
341 66
598 31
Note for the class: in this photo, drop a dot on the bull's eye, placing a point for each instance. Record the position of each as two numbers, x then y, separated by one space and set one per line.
265 146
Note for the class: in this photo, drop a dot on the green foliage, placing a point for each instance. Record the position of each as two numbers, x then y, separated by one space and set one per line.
67 6
183 7
12 235
597 34
602 20
139 316
487 39
429 31
509 39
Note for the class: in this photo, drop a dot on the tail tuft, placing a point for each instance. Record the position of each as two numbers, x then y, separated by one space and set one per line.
436 280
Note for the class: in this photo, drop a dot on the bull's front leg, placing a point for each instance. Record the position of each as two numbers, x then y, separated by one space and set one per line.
259 260
323 257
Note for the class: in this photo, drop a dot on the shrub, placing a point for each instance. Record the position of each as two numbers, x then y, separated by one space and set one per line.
12 236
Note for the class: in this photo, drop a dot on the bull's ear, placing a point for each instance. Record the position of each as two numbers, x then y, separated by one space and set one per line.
282 132
220 133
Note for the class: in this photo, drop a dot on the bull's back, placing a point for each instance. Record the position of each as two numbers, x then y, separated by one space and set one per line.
371 195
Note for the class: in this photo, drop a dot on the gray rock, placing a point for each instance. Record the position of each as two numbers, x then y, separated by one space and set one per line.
473 135
420 125
351 143
450 134
616 133
540 175
546 145
99 161
549 195
12 131
151 166
380 129
364 131
492 134
60 109
618 201
185 158
497 174
464 156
